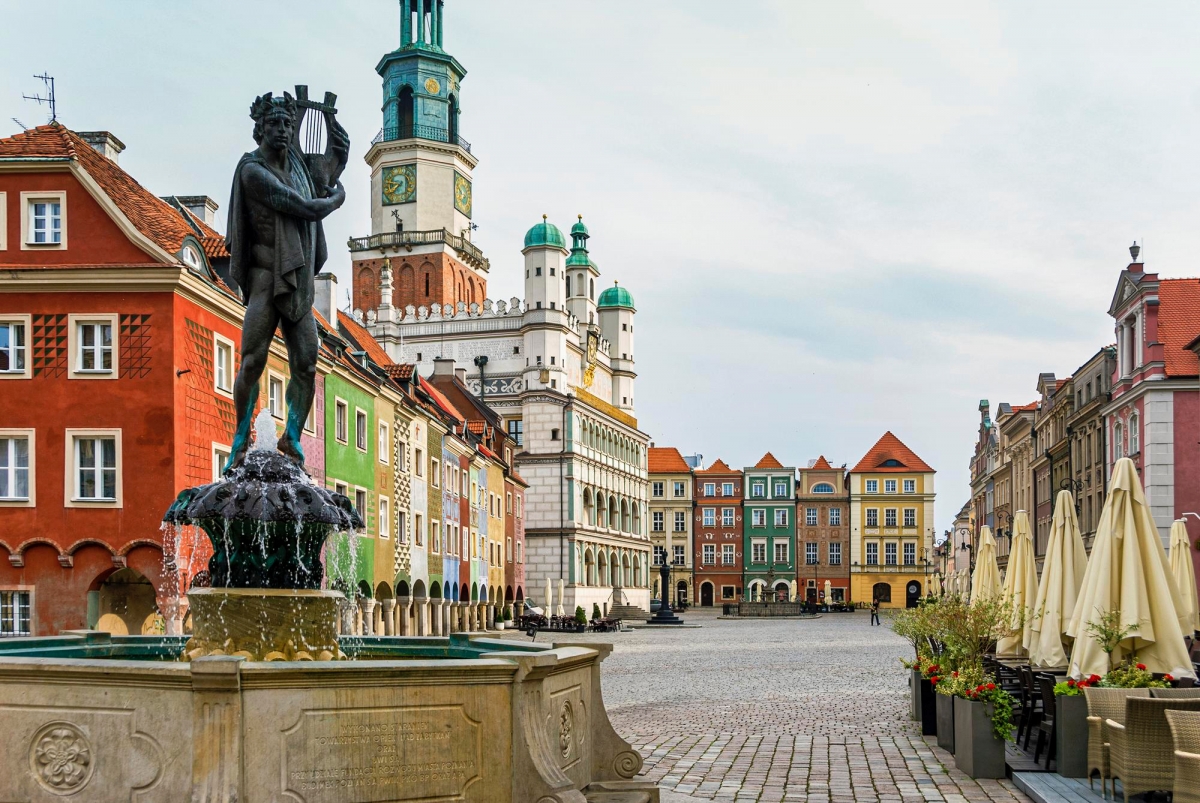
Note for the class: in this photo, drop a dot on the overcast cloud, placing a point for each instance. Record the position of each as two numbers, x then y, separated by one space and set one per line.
836 218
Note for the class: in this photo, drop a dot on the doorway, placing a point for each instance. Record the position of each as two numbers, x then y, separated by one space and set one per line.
912 594
706 595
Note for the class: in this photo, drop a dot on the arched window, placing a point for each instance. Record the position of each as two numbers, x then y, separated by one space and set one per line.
1118 438
452 119
822 488
592 289
1135 438
406 113
568 287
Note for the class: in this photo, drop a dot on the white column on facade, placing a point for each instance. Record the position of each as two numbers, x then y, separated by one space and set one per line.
426 619
387 614
366 607
402 608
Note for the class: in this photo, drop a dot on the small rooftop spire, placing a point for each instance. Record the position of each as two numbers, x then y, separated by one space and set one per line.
1134 251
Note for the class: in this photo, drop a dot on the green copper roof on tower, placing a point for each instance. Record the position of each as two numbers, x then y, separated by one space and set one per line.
579 252
545 234
616 296
579 228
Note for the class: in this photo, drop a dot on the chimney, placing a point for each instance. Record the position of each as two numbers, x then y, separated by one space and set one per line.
443 366
201 206
104 142
461 375
325 297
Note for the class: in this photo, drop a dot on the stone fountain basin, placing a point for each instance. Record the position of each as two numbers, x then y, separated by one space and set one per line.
100 718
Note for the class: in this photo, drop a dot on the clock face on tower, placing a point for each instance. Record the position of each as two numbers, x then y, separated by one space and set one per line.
462 193
399 184
432 86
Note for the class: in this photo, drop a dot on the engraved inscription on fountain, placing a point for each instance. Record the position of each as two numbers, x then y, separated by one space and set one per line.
382 754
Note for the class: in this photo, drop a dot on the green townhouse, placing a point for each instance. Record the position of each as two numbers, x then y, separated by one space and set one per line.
769 524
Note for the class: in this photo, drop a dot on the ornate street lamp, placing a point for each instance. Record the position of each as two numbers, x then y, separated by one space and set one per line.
1076 489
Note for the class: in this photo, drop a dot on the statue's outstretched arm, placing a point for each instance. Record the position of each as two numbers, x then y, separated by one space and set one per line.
260 184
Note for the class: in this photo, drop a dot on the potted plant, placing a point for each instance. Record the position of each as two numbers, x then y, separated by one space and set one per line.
1070 725
919 627
983 722
580 619
596 613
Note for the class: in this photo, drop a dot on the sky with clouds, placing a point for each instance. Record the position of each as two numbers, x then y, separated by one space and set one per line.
836 218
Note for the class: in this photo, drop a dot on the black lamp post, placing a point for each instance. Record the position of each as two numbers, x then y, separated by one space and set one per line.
1076 489
664 615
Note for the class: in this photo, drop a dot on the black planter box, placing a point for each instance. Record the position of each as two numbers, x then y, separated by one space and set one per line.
977 751
944 714
914 693
1071 724
928 708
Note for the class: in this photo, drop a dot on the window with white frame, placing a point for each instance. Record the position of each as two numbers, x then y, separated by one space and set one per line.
810 517
1118 452
889 517
340 488
656 521
385 520
872 517
710 489
677 554
758 518
835 517
44 221
660 554
520 551
14 347
781 489
508 551
656 489
419 462
223 365
758 490
710 517
418 529
16 459
360 429
401 527
1134 435
835 553
822 488
727 556
220 456
872 486
340 424
872 554
360 502
727 517
889 486
910 486
889 553
679 490
435 536
384 445
680 521
781 517
758 551
708 554
910 517
508 502
93 346
781 551
910 554
810 553
15 613
275 396
727 489
96 471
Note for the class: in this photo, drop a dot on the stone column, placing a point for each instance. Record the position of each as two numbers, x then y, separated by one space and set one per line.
388 616
421 608
348 610
491 616
486 622
448 617
367 606
402 612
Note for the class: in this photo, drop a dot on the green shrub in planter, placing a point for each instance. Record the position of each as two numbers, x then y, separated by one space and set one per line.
595 611
506 614
580 615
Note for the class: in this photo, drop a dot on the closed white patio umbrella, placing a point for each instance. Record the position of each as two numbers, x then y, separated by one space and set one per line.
1062 578
1128 572
560 611
1184 572
828 592
1020 585
549 598
985 582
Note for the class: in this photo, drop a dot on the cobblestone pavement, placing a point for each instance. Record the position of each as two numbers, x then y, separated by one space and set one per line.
778 710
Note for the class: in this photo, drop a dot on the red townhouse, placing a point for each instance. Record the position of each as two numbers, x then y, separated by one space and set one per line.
717 534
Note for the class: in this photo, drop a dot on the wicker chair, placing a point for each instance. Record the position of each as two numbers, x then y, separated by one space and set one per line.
1104 704
1140 750
1175 694
1185 728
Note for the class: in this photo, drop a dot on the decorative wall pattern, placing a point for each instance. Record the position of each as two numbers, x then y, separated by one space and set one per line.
135 345
50 345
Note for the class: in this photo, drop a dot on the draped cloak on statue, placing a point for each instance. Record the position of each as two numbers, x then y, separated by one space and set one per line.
299 246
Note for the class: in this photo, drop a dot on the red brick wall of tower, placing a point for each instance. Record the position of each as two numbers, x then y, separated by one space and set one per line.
419 280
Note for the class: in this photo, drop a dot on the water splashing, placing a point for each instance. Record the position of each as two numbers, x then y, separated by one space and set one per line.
265 438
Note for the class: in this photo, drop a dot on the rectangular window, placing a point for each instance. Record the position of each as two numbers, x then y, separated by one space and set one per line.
402 527
360 430
889 517
872 554
275 396
727 554
508 555
728 592
680 522
835 554
710 517
14 349
385 521
910 554
678 556
889 554
872 517
889 486
435 473
45 222
656 519
758 552
14 469
910 486
781 517
340 488
660 554
758 490
726 517
708 554
872 486
520 508
508 502
220 455
910 517
516 431
419 461
679 490
810 553
781 551
14 613
435 536
340 414
710 489
810 516
384 445
727 489
96 469
758 518
781 490
223 364
360 502
95 341
656 489
835 517
402 456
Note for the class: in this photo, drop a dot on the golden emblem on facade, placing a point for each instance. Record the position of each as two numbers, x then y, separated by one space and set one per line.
432 86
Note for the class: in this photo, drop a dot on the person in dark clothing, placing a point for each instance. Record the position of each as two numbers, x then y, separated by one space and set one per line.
875 611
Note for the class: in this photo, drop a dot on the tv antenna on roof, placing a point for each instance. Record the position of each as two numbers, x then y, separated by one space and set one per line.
48 80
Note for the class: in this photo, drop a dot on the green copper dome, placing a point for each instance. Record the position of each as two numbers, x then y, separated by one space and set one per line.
615 296
545 233
579 228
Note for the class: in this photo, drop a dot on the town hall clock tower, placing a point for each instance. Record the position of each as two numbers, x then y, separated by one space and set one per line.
419 251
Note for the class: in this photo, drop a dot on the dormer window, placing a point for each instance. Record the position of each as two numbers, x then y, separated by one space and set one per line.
44 220
190 257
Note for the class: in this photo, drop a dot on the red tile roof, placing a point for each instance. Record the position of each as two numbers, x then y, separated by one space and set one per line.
400 371
719 467
1179 324
667 460
364 340
822 464
1026 408
889 447
441 400
477 427
768 461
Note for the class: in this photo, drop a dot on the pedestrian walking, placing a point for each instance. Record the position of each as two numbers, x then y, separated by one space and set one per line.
875 611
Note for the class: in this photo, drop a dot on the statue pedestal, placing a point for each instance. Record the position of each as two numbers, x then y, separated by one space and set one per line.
264 624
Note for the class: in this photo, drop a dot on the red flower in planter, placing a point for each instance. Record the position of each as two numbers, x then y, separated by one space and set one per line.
954 674
1071 683
933 668
1169 678
1093 679
1142 667
933 681
991 687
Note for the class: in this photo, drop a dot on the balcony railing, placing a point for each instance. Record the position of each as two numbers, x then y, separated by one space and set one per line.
395 239
429 132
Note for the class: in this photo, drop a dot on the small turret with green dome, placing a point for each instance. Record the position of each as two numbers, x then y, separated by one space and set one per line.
579 252
545 234
616 296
